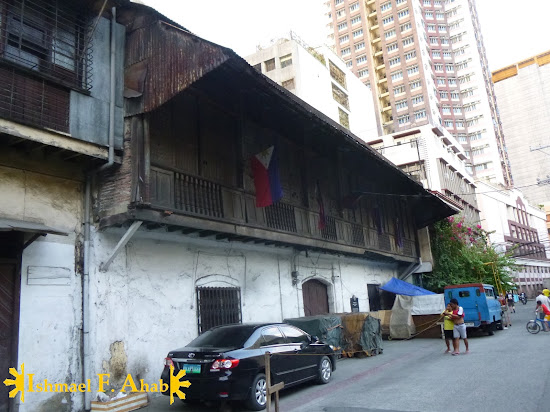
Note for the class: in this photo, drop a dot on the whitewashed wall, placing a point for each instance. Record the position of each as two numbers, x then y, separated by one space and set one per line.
145 304
50 300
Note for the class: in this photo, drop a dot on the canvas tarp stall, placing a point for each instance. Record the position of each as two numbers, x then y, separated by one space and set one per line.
400 287
371 336
401 322
361 334
327 328
428 304
384 316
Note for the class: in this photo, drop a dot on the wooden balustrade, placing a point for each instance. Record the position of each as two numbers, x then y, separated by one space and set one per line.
197 196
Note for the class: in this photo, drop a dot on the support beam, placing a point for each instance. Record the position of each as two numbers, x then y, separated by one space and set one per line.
122 242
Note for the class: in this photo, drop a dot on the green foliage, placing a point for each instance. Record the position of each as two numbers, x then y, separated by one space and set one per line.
463 254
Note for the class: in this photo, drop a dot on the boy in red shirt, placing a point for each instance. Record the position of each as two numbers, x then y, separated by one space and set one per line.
542 308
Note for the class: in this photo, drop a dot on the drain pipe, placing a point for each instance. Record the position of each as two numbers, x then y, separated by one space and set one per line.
86 368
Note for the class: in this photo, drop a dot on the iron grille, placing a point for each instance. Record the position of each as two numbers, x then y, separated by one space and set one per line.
217 306
47 37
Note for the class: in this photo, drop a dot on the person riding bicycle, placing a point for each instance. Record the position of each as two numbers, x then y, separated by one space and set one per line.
544 309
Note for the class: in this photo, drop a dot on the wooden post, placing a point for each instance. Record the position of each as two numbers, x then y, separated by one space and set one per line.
271 389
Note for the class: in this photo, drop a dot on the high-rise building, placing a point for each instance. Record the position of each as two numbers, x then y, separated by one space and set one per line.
321 79
523 93
425 63
516 226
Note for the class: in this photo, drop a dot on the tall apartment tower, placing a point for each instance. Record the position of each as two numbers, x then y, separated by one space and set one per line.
425 63
523 95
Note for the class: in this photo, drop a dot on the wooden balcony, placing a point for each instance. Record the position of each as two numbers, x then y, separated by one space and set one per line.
179 196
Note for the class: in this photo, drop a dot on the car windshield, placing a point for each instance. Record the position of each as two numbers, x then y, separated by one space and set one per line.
234 337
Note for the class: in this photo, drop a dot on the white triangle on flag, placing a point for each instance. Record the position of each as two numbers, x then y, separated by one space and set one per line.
265 156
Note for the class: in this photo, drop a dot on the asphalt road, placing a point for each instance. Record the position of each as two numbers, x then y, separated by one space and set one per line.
510 370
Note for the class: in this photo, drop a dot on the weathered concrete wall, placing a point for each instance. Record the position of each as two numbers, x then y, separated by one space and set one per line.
50 315
145 304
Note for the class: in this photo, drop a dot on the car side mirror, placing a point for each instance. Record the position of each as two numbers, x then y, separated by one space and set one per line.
304 345
314 339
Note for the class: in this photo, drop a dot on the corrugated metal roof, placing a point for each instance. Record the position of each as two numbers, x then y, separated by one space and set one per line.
164 59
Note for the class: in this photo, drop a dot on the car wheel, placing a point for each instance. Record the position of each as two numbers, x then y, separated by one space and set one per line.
257 398
325 370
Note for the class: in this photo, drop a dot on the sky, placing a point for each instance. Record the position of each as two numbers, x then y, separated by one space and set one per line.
511 32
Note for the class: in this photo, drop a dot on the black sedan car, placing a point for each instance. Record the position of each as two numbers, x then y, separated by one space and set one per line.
227 362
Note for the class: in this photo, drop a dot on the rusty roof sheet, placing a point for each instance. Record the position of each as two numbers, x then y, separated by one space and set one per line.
163 59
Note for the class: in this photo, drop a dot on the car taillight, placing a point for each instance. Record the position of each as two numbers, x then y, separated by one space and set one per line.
224 364
168 362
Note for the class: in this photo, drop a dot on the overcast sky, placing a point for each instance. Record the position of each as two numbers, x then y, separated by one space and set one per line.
511 31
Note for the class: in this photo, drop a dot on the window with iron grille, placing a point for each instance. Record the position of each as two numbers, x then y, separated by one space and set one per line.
218 306
47 37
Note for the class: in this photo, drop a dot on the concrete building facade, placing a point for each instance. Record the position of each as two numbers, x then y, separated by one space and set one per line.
523 92
433 157
519 226
425 63
321 79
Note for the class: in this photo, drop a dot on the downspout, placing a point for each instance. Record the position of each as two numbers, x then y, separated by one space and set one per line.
87 208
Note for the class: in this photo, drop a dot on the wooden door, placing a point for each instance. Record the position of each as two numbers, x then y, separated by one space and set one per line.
374 297
315 298
9 310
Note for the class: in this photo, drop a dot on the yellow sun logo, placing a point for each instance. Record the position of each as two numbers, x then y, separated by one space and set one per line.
176 384
19 382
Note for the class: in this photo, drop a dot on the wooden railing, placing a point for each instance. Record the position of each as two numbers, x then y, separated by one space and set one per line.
197 196
192 194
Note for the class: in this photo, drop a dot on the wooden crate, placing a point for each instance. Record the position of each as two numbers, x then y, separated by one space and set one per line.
129 403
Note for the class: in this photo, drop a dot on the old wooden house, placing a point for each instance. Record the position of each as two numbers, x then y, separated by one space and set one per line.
128 216
180 243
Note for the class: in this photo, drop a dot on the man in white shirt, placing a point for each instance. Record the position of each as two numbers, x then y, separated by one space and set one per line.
544 300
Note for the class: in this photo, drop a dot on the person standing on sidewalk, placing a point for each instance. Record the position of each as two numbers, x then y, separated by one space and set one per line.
459 330
543 300
510 299
542 308
448 326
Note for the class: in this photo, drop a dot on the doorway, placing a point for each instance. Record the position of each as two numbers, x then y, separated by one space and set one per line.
10 284
315 294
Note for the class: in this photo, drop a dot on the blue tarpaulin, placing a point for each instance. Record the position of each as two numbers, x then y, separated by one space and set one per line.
400 287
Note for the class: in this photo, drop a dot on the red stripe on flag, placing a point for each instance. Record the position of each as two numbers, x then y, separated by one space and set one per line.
261 183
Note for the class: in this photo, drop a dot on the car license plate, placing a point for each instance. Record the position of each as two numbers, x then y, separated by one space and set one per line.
191 368
469 324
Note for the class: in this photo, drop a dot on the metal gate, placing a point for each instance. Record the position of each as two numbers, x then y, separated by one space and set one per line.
217 306
315 297
9 304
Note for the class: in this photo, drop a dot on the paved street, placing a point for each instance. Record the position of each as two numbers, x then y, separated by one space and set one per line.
507 371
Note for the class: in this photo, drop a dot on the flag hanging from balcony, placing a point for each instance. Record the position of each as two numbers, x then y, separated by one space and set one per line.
322 217
265 169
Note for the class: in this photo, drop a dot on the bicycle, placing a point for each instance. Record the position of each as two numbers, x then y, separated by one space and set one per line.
534 326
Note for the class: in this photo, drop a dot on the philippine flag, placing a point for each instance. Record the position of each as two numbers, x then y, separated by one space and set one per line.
265 168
